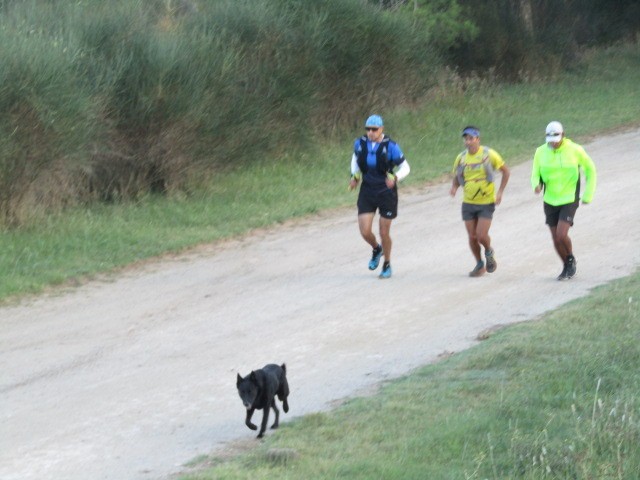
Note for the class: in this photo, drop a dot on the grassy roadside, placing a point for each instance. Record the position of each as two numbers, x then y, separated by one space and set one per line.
79 244
551 399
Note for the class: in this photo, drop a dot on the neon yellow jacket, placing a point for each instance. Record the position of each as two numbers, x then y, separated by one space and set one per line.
559 171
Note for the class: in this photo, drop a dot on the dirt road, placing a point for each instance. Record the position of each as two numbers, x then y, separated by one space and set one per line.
130 378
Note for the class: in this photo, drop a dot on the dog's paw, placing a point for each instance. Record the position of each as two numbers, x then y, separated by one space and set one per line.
252 426
274 426
260 435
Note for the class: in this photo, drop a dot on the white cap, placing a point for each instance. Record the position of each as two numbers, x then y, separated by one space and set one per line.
554 132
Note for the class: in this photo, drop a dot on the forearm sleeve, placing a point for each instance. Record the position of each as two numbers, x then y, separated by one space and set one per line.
403 170
354 165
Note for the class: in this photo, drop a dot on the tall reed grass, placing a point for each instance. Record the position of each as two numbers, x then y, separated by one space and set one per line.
45 108
114 100
111 101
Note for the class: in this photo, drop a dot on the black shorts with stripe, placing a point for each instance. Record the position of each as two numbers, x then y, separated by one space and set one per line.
555 213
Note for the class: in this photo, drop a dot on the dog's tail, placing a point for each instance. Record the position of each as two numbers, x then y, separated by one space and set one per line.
283 392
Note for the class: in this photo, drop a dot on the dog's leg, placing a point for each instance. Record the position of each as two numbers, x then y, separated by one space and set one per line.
247 421
277 412
265 419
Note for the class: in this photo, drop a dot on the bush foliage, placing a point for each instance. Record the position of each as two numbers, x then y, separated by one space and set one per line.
110 101
524 38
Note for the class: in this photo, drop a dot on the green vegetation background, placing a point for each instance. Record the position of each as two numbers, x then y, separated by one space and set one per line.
598 96
109 102
133 128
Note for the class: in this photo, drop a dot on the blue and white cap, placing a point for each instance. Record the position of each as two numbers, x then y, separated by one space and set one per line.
374 121
472 131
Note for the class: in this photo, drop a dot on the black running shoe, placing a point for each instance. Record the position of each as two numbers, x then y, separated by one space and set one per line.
571 266
563 275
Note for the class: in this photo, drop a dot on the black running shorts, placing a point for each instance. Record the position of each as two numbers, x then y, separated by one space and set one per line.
383 199
554 213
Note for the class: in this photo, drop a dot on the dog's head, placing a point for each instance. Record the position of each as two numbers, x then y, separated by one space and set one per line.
248 389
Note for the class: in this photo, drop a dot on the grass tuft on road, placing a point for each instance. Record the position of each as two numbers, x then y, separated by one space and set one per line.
554 398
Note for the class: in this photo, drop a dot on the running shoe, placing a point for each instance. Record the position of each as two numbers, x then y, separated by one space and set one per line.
478 270
489 255
571 266
563 275
386 271
375 258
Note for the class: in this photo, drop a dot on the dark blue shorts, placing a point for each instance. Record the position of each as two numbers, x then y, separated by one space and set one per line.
379 198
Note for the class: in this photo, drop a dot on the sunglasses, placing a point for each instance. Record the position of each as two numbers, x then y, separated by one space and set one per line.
372 129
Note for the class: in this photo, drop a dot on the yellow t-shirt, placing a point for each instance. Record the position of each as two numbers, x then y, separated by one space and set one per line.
478 190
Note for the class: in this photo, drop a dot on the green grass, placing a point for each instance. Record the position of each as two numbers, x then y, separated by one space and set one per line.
551 399
81 243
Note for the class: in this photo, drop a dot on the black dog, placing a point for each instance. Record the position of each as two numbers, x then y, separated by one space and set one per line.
258 390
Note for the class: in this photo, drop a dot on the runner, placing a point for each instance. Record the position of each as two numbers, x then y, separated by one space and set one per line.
474 169
556 170
375 156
